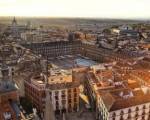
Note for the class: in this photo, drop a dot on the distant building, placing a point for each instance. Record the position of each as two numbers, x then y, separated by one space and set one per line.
54 48
14 29
125 27
131 33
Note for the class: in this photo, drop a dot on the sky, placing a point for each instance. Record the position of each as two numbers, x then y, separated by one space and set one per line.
77 8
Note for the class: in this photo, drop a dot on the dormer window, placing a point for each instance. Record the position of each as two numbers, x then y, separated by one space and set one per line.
129 116
129 111
121 113
114 115
137 108
144 107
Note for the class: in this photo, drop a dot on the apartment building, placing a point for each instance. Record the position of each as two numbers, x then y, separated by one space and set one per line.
63 90
55 48
116 95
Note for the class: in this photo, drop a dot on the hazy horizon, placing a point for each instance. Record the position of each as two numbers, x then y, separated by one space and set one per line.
76 17
98 9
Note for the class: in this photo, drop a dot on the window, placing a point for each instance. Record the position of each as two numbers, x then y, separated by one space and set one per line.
56 93
69 95
114 116
56 97
136 115
121 113
69 100
75 95
57 103
137 108
129 116
69 91
75 99
129 111
63 96
143 117
75 90
143 112
121 117
69 106
57 107
144 107
63 92
63 102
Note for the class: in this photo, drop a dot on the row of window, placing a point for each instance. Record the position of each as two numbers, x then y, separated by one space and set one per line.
129 110
135 117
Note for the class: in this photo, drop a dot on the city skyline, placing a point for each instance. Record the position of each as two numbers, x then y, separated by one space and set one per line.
126 9
73 68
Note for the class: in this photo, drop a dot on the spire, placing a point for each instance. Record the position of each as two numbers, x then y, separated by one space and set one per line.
15 31
14 22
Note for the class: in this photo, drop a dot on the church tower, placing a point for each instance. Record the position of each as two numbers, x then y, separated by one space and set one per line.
14 22
14 28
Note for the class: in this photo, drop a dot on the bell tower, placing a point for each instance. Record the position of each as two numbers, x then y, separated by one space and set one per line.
14 27
14 22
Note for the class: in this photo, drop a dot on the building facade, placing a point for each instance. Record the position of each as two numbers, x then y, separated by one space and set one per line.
117 96
63 91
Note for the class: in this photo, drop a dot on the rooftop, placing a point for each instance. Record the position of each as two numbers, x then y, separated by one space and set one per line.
57 79
119 90
123 99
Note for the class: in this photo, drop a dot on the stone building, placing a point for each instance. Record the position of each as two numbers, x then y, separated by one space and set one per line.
54 49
